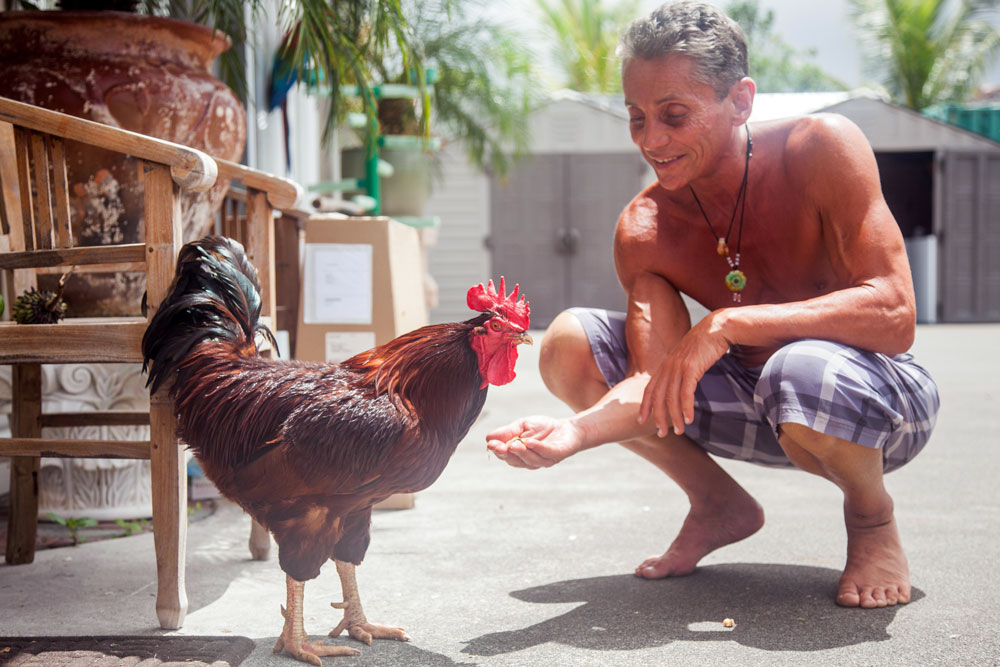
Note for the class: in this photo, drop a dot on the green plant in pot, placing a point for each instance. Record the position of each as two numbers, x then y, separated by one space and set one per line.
483 88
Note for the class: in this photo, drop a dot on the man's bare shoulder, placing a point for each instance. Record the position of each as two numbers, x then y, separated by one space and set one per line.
817 140
639 231
640 219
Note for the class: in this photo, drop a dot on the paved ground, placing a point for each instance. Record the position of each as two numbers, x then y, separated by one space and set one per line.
499 567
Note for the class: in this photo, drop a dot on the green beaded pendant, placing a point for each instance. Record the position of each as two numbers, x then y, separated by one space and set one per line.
736 280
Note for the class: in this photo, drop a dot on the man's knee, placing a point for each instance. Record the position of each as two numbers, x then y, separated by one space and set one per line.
566 362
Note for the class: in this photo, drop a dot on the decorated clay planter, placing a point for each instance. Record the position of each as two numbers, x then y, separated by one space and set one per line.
146 74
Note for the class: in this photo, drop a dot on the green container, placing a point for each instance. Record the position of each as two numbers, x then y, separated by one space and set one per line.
983 119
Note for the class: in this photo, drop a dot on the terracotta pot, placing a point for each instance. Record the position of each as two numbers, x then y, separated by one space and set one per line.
146 74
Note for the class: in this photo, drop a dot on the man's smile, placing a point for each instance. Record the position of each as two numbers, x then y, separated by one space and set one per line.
665 161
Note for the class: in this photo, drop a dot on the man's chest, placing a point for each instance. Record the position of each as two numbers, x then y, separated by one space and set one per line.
779 247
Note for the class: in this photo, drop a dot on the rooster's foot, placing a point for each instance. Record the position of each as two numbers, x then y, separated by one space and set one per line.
359 628
311 653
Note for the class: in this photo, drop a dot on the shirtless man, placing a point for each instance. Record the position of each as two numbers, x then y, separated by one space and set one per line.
781 231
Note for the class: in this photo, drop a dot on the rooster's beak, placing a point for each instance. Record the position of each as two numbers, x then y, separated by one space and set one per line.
523 337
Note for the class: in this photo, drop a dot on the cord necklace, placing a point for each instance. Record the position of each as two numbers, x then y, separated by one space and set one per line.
736 280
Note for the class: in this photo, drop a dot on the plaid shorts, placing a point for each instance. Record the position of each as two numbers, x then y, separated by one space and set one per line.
887 403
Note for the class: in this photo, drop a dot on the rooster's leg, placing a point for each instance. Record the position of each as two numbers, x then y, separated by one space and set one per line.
293 639
354 616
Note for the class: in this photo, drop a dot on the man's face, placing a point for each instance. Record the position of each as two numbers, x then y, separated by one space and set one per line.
678 123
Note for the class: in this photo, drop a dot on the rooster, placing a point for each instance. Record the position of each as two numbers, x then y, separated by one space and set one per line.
308 448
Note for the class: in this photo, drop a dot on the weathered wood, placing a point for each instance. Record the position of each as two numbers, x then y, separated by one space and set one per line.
120 267
60 193
22 526
27 234
163 233
259 542
70 419
169 482
73 341
259 245
126 449
43 201
281 192
190 168
287 235
126 253
10 192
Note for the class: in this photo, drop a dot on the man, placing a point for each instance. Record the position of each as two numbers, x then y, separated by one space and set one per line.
781 231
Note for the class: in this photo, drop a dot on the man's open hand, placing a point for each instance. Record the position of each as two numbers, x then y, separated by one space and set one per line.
535 442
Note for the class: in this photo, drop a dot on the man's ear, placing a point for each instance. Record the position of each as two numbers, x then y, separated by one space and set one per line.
742 94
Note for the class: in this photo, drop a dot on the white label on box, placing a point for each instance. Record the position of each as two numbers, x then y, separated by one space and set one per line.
338 283
342 345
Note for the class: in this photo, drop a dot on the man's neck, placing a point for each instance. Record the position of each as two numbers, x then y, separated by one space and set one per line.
717 187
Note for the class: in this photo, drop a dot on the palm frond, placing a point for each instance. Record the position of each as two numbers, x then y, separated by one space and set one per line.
926 51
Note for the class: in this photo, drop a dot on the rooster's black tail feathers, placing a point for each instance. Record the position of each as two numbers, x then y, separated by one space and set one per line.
215 296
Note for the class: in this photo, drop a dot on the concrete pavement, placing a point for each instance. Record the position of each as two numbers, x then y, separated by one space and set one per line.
501 567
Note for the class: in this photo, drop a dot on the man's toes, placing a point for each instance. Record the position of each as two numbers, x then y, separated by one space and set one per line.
659 567
847 596
867 596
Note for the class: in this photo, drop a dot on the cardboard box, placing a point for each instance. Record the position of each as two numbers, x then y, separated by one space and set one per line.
362 286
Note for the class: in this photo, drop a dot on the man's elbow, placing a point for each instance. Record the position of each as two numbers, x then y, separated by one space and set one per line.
901 324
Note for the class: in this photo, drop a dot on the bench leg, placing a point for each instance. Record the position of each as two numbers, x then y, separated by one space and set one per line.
22 525
260 541
169 477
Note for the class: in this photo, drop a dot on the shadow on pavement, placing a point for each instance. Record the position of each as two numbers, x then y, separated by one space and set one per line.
382 652
775 608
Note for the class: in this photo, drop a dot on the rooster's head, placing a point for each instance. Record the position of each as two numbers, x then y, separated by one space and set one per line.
495 341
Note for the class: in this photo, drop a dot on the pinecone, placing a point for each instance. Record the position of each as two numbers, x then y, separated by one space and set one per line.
34 307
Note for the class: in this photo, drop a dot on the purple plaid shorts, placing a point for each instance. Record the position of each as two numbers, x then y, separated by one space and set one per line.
887 403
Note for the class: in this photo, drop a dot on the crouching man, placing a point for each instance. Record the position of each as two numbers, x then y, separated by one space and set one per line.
781 231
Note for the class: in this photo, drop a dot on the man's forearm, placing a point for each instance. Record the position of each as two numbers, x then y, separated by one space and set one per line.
614 418
858 316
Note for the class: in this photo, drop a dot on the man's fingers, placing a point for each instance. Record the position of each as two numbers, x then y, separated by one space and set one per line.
526 452
661 416
688 387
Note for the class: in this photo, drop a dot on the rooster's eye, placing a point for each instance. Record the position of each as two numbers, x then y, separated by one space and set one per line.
495 325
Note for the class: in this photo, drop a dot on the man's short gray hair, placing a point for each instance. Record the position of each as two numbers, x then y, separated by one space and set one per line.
695 29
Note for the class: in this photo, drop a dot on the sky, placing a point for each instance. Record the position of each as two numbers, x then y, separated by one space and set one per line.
824 26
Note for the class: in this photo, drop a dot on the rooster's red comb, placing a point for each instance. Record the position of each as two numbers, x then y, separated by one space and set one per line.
489 299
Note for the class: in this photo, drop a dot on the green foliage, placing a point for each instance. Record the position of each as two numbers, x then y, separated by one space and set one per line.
2 305
132 527
485 84
926 51
73 525
775 65
584 35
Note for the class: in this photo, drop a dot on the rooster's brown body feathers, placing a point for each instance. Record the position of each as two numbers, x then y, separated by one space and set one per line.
306 448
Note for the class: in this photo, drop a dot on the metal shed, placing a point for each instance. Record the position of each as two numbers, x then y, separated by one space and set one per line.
550 225
942 184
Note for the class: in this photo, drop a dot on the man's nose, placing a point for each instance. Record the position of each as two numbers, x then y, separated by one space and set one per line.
654 136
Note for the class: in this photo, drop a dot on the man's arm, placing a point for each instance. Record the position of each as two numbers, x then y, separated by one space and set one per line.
875 311
865 247
656 319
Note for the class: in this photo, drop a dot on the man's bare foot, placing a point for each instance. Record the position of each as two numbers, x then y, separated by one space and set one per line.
705 529
876 574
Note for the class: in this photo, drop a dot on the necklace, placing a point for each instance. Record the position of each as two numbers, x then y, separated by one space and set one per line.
736 280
